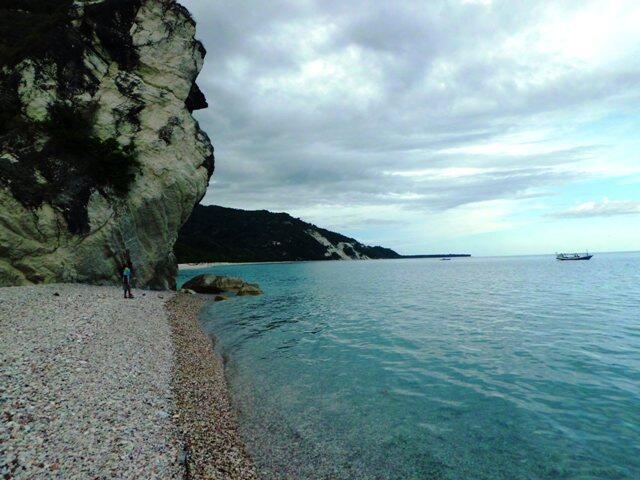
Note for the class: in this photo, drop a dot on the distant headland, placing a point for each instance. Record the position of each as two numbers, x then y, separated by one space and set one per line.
216 234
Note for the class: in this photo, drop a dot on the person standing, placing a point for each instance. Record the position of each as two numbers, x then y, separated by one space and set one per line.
126 282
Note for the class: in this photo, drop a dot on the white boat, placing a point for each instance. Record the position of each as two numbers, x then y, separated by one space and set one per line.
573 256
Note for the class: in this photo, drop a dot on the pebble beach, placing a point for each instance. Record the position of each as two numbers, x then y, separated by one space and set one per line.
96 386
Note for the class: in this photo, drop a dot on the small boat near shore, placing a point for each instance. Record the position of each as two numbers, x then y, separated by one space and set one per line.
573 256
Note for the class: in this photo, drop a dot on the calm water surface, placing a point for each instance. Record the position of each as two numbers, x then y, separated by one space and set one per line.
487 368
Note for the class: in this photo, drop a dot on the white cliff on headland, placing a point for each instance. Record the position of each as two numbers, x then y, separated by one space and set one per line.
101 161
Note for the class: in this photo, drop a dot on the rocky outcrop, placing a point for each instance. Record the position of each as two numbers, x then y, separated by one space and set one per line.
213 284
101 162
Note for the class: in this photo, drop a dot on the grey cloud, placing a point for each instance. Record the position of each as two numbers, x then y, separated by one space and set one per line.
438 81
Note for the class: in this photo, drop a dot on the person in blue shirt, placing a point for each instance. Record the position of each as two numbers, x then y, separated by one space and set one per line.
126 282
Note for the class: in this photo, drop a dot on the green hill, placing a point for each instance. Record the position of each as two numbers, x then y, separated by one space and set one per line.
219 234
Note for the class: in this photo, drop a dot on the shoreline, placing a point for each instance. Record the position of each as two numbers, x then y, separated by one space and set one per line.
195 266
204 414
138 378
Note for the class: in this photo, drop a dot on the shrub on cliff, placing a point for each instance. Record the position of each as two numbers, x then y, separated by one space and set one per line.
105 162
69 165
32 28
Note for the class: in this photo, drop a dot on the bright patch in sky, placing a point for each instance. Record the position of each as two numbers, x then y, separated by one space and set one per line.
489 127
606 208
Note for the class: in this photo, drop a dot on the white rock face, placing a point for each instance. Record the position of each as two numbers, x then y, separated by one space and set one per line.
145 105
344 250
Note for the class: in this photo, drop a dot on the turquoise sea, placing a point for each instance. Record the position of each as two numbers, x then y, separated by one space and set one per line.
480 368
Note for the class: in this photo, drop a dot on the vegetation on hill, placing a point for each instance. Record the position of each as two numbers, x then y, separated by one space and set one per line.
219 234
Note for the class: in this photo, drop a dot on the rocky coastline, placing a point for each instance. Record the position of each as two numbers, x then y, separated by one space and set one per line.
97 386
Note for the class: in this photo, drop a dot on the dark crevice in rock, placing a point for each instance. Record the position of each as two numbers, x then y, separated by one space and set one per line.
201 49
76 213
209 161
128 115
196 99
9 104
209 164
128 85
111 20
165 133
133 115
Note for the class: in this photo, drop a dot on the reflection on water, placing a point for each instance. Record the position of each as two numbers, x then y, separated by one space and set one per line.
500 368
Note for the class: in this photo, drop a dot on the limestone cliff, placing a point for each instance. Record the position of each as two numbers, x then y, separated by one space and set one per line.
101 161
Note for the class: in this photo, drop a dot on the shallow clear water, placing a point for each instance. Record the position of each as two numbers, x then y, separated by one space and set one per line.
487 368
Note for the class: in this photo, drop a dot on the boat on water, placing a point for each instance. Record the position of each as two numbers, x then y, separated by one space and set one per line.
445 258
573 256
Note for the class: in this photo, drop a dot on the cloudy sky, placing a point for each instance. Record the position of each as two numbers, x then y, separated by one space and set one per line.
480 126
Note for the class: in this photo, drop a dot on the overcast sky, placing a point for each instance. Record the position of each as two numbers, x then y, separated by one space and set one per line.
488 127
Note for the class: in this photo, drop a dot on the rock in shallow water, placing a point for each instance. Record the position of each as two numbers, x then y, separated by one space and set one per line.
214 284
249 289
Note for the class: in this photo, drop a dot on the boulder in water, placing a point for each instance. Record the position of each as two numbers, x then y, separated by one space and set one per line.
215 284
249 289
